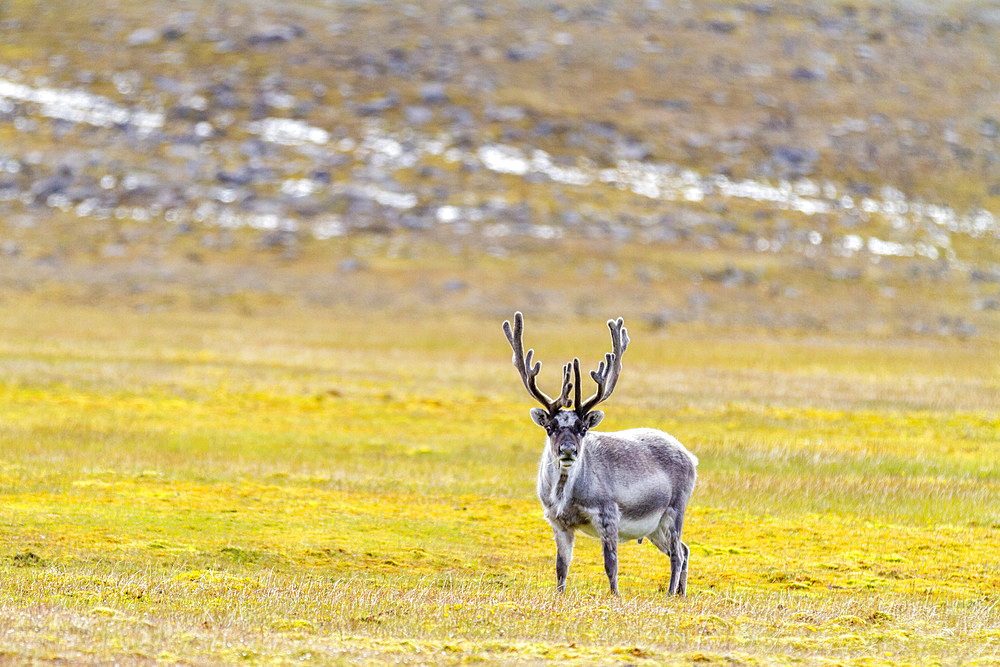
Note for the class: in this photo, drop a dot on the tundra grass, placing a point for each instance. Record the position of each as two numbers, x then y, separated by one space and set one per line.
304 485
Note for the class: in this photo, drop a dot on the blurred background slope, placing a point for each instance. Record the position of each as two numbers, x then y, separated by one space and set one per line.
792 166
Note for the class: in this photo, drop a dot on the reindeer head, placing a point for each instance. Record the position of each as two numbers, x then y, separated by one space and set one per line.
566 422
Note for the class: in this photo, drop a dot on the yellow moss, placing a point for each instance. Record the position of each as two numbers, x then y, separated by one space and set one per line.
366 492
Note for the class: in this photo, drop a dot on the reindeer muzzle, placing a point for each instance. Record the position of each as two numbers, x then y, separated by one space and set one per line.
567 454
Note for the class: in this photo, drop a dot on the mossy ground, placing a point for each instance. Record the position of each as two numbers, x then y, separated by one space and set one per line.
217 449
307 485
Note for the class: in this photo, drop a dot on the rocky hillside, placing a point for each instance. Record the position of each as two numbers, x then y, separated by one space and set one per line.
766 151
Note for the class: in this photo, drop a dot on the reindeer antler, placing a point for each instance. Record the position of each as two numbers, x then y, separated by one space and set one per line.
529 372
606 375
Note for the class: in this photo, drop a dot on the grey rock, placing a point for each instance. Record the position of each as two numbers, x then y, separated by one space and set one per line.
168 84
663 318
172 33
978 275
434 93
255 148
505 114
987 303
140 183
277 239
263 206
571 218
804 74
964 329
625 63
605 130
518 54
721 27
10 248
142 36
399 65
242 176
411 220
276 34
860 189
512 135
459 116
377 106
55 184
308 206
990 127
634 149
417 115
187 112
987 15
732 277
793 162
697 140
82 192
672 104
547 128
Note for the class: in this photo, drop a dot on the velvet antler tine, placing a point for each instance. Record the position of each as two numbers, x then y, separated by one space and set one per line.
606 375
567 386
577 383
528 370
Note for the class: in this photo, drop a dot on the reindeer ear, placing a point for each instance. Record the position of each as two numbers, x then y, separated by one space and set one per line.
594 418
540 417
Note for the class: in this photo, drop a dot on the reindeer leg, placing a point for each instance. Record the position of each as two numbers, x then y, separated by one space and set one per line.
676 567
677 552
667 538
662 542
607 528
682 585
564 555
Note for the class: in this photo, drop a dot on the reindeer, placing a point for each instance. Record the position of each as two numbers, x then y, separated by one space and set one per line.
620 486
